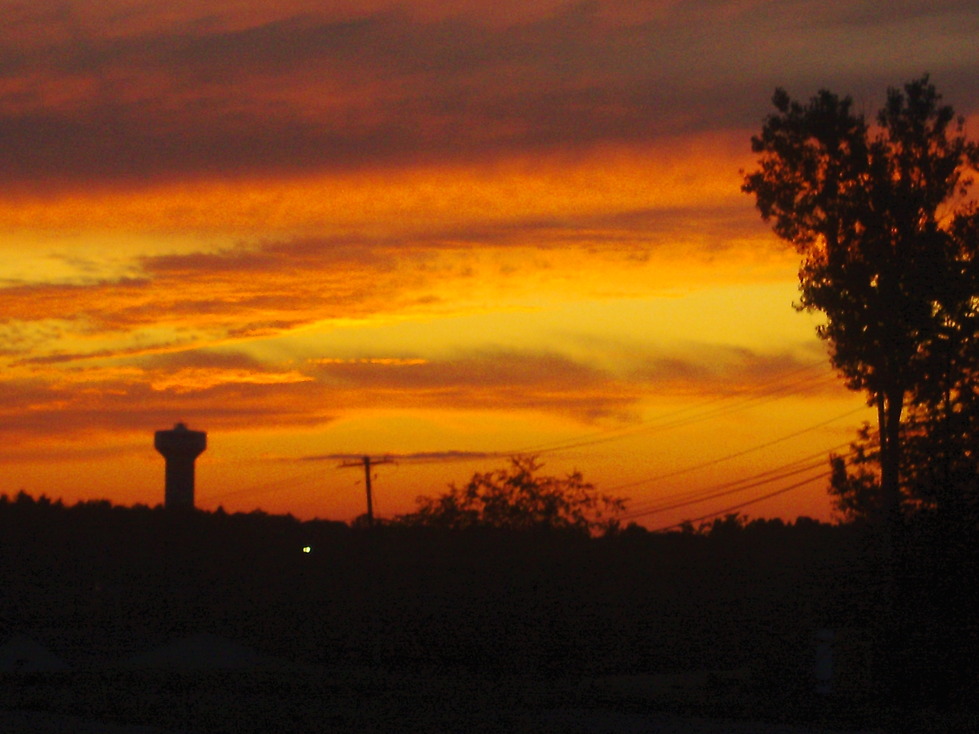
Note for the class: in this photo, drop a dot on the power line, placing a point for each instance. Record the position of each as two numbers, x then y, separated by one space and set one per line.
754 501
748 482
264 487
684 416
674 419
738 454
722 490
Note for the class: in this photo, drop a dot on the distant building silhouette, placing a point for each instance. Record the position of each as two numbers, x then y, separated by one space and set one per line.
180 447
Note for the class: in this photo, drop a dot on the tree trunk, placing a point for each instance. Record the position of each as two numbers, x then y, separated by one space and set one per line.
889 409
890 406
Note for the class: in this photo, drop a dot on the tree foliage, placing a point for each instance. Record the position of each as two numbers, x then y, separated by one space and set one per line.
887 238
518 497
854 483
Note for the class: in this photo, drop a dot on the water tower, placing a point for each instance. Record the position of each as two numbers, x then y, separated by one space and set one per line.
180 447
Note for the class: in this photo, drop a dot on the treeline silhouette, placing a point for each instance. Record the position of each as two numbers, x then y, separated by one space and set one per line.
98 583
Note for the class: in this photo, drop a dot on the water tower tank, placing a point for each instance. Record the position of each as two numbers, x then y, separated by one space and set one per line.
180 447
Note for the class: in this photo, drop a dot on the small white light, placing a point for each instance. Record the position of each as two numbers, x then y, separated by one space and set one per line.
307 549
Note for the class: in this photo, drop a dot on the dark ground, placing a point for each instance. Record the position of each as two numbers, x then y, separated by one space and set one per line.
365 701
411 630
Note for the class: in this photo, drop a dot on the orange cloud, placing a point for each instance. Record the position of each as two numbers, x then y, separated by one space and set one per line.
384 361
196 379
429 202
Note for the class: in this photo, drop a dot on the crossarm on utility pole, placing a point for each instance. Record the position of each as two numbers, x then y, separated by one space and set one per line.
366 462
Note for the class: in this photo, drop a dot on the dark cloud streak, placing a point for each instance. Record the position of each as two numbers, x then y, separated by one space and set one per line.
305 93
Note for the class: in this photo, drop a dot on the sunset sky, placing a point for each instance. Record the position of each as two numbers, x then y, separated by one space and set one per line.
443 232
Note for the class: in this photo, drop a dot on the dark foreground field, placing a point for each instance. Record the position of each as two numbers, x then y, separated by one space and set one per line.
250 623
371 701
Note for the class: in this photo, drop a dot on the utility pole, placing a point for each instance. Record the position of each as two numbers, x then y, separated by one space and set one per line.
366 461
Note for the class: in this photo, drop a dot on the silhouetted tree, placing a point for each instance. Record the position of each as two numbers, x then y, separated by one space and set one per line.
940 433
888 244
939 467
886 255
854 482
517 497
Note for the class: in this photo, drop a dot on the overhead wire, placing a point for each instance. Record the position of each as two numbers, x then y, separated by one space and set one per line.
756 500
776 472
688 415
266 486
737 454
674 419
681 417
717 491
